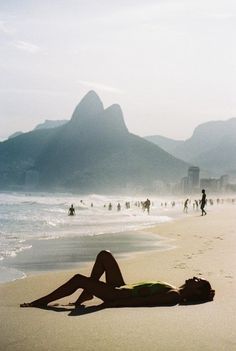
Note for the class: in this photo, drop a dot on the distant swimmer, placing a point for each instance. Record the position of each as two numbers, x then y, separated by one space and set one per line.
71 211
118 207
203 202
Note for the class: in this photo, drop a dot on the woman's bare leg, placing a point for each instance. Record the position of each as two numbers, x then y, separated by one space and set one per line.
105 263
100 289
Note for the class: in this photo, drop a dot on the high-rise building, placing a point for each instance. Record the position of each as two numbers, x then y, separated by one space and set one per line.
224 181
184 185
210 184
193 177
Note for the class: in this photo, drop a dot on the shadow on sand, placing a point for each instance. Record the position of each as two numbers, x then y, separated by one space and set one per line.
79 311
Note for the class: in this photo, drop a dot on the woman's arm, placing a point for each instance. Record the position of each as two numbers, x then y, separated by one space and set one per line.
170 298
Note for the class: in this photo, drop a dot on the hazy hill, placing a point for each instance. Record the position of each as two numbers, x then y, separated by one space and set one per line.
18 155
50 124
221 158
166 144
15 135
93 152
212 146
47 124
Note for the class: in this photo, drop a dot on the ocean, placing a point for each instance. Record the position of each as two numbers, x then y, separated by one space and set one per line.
36 233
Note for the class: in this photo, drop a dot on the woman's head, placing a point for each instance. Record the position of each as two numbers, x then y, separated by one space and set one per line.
197 290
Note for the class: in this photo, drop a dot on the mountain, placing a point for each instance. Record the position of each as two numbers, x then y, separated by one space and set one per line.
50 124
93 152
166 144
221 159
15 135
212 146
47 124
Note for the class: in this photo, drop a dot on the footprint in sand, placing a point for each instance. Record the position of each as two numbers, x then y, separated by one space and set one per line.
207 242
189 257
180 265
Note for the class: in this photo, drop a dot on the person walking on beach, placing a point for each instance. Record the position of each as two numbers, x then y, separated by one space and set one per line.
114 292
71 211
203 202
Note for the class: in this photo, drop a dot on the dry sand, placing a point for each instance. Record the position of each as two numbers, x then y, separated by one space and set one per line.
205 246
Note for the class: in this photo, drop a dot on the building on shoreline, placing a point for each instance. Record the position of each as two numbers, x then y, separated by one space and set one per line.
215 184
193 177
192 183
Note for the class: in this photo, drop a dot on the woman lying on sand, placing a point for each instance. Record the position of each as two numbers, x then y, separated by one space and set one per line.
115 293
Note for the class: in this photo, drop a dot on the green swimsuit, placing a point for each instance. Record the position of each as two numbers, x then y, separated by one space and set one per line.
148 288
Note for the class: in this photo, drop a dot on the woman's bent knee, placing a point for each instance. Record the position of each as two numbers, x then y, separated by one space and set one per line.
77 277
104 254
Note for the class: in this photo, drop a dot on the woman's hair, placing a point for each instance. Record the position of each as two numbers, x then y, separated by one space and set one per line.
204 293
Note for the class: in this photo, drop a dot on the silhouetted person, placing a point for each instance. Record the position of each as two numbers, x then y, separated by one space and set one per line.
110 206
71 211
186 206
114 292
147 205
203 202
118 207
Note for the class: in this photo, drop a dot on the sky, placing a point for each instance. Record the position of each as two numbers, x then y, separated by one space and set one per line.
169 64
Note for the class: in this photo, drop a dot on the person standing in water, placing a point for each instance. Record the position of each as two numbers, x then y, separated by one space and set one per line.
186 206
203 202
71 211
147 205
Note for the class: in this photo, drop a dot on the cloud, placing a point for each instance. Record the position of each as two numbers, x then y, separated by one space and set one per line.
5 29
28 47
99 86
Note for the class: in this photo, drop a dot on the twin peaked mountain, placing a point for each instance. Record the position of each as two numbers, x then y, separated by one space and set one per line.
93 152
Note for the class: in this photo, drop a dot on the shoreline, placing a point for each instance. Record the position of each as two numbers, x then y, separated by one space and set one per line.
205 246
28 223
64 254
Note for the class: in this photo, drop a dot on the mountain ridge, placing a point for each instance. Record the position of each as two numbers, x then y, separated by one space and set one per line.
212 146
92 152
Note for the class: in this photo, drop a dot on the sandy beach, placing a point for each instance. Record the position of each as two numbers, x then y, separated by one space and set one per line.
204 246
